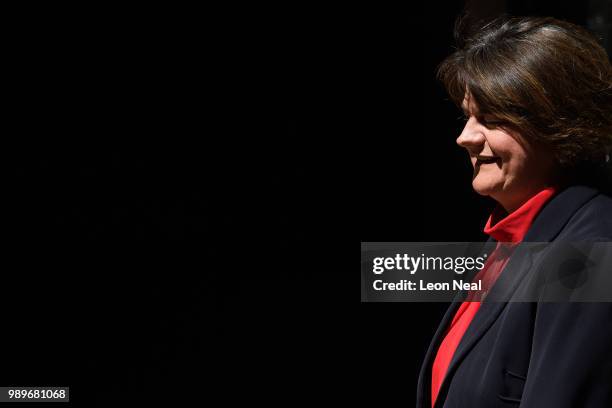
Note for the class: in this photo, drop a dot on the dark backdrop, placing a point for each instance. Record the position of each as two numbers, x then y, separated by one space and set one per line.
158 192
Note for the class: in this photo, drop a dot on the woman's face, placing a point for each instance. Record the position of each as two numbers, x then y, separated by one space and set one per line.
506 167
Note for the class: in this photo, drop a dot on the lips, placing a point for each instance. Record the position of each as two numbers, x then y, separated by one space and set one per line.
486 159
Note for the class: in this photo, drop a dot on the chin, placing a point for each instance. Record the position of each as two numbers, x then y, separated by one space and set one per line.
484 188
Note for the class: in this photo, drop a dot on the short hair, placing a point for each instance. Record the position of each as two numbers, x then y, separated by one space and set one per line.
547 79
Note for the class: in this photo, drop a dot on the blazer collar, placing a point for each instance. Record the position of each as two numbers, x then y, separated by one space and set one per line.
557 212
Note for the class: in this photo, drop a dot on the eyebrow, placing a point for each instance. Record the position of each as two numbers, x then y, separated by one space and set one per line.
466 111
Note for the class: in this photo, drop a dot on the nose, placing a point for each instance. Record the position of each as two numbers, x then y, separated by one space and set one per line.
472 137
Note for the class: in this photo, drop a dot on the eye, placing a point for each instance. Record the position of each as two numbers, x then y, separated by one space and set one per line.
490 121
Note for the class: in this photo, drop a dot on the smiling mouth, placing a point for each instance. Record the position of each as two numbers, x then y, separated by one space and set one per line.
486 159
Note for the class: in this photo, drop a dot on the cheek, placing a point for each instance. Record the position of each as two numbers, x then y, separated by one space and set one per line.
516 166
515 159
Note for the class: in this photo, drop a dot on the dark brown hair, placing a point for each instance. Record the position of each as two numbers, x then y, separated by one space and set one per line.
549 80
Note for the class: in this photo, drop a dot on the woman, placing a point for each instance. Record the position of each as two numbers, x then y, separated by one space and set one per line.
537 98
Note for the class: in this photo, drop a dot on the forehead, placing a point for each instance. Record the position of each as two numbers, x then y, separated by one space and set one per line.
468 104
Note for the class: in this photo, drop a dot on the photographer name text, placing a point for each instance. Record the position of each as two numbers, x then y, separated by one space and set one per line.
405 284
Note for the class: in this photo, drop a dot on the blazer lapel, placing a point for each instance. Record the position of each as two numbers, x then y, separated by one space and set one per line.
489 311
424 384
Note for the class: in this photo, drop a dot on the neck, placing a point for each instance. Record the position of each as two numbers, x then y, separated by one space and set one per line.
515 201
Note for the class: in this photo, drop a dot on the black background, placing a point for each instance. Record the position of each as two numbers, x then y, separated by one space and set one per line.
172 189
159 188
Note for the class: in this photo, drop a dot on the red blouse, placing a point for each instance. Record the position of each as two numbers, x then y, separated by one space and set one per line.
508 230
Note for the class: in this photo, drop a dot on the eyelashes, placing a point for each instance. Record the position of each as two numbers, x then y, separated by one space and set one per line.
490 123
487 122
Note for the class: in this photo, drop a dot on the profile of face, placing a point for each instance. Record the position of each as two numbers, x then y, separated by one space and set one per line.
507 167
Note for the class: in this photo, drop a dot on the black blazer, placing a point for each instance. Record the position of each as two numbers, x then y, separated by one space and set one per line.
534 354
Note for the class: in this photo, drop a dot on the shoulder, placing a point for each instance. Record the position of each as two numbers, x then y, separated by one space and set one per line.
592 221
